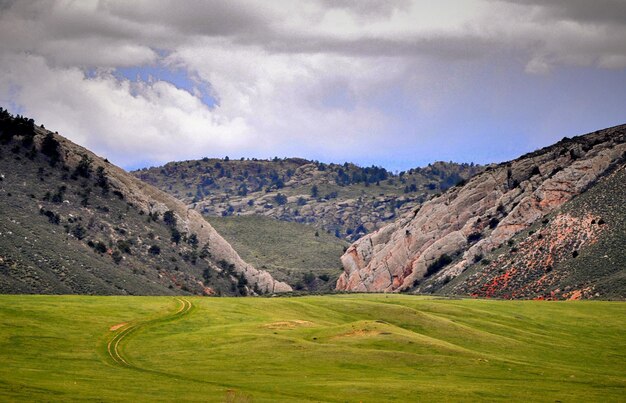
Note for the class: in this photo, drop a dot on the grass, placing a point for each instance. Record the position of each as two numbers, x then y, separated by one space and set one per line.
287 250
331 348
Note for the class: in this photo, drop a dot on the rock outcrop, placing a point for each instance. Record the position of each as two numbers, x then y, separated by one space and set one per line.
447 234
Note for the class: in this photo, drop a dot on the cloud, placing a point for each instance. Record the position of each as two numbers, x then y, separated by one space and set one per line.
597 11
318 78
120 119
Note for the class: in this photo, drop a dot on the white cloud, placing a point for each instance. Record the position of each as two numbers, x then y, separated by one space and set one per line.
122 120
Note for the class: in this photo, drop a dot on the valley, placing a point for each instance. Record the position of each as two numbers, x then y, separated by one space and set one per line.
315 201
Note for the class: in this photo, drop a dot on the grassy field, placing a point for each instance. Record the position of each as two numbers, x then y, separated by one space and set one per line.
287 250
369 348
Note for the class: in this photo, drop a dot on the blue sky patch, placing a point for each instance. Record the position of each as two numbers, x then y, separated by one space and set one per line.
178 77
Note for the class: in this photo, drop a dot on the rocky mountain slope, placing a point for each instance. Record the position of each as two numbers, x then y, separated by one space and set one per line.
463 240
71 222
577 251
345 200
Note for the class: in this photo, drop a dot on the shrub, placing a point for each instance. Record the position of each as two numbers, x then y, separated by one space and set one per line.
124 246
50 148
84 167
117 257
154 249
204 252
439 263
175 235
169 218
280 199
535 171
493 222
193 240
102 180
79 231
308 278
53 218
242 282
474 237
100 247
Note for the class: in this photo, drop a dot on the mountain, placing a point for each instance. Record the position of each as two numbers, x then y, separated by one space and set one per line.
345 200
549 224
71 222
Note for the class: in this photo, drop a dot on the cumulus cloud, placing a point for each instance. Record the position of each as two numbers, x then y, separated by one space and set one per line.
317 78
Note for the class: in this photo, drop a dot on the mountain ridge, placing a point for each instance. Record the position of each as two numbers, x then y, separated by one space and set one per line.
343 199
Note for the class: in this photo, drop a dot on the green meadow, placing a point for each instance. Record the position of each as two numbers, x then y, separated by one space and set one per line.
340 348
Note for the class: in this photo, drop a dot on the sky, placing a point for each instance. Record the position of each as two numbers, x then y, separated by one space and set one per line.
393 83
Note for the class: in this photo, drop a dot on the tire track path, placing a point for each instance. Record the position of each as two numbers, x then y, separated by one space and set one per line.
115 352
114 346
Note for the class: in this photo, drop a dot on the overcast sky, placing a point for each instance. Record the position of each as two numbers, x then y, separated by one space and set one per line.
396 83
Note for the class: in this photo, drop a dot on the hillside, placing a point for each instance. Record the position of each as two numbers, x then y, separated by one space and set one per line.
575 252
549 224
71 222
305 258
345 200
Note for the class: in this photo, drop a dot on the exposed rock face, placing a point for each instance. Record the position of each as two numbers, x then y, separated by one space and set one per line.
453 231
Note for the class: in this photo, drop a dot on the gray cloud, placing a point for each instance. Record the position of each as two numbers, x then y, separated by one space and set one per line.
195 17
63 33
586 11
443 46
368 8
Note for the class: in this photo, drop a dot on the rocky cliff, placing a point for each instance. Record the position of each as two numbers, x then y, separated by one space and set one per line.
72 222
438 241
